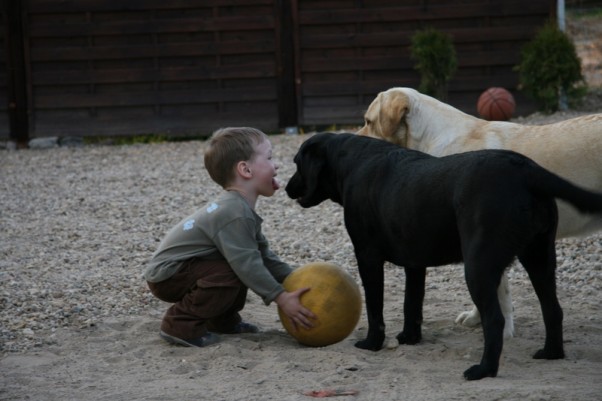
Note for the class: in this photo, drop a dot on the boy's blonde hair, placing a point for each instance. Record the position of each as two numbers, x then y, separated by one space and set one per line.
227 147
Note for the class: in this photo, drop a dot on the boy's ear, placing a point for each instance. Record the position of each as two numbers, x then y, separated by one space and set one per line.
243 169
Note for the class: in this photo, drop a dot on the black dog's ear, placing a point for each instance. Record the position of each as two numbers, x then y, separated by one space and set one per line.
311 160
314 158
313 149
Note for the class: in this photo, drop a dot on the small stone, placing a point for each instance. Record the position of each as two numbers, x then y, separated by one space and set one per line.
44 143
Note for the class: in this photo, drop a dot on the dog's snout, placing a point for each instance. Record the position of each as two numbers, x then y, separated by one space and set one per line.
292 187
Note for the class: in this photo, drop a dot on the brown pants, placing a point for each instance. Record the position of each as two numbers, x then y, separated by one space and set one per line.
207 296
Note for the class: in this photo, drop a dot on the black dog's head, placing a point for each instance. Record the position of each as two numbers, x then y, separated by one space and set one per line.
309 185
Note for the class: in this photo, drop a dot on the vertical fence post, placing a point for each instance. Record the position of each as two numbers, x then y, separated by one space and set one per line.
16 72
560 16
285 54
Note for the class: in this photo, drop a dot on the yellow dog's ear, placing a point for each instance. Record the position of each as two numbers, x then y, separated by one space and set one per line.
393 108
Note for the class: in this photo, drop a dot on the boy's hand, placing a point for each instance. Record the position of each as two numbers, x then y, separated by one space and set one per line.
290 304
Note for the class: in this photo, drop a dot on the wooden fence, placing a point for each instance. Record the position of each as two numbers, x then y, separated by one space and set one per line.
182 67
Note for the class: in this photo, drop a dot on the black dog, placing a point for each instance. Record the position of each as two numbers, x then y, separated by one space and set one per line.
414 210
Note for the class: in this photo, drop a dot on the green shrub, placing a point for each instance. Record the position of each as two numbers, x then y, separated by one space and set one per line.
549 64
436 61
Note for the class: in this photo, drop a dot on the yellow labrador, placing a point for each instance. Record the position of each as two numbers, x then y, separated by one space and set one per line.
571 149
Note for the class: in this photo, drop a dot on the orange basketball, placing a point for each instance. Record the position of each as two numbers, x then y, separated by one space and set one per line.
496 104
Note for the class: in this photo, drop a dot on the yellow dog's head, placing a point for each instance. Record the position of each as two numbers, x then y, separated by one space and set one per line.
385 117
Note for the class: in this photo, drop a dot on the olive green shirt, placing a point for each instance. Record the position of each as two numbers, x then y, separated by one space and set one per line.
227 228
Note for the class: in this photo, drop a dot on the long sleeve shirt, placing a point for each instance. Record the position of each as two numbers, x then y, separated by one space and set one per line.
227 228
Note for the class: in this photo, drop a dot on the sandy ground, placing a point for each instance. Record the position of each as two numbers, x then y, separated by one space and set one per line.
124 359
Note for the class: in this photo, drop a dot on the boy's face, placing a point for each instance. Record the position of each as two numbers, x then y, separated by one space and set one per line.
264 169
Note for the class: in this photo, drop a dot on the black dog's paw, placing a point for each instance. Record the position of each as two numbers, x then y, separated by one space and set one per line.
477 372
409 338
549 354
370 344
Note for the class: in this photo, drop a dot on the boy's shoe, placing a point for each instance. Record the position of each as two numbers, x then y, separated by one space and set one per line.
244 327
202 341
238 328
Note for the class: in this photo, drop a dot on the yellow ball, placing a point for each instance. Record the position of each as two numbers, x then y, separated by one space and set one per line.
334 298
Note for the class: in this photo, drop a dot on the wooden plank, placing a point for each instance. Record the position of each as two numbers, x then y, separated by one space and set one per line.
507 79
83 100
189 25
330 4
330 115
150 51
197 124
488 59
349 88
403 38
354 64
427 13
480 82
325 64
53 6
171 74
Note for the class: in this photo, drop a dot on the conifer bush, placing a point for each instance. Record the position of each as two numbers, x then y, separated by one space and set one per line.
548 66
436 61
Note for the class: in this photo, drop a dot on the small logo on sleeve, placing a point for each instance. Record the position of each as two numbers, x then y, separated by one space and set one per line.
212 208
188 225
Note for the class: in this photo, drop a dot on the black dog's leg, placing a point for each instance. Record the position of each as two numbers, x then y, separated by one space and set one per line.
539 260
483 279
412 306
372 275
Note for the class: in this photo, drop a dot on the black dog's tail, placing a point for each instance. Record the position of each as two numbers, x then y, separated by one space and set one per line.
548 183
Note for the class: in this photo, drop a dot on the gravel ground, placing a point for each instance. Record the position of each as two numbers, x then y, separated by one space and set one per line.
79 224
77 321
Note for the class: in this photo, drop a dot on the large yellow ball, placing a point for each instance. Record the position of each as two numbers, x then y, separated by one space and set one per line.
334 298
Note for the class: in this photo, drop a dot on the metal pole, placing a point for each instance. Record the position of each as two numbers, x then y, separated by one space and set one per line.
562 100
